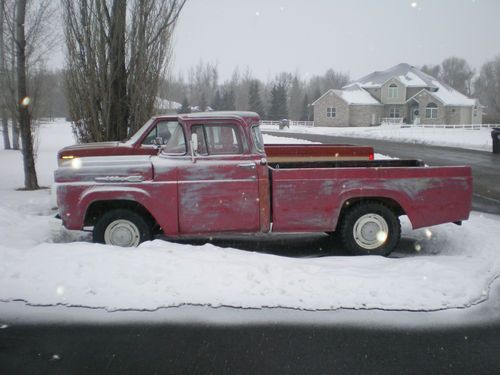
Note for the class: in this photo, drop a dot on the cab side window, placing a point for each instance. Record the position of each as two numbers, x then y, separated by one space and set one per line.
218 139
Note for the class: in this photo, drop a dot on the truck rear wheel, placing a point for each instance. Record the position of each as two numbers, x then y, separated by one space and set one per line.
370 228
123 228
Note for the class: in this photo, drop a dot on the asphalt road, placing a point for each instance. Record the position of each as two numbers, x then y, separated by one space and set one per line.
485 165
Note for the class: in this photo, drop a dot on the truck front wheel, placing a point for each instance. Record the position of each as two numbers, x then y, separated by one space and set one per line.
370 228
123 228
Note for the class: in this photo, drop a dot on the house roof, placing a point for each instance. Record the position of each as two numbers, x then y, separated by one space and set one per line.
446 95
407 74
450 96
352 95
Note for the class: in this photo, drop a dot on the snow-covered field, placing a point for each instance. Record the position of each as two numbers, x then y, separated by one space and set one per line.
463 138
451 267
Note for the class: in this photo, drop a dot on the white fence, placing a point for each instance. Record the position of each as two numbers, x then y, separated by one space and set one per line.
392 120
291 123
441 126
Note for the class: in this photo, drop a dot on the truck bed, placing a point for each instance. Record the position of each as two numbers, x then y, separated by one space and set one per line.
347 164
311 196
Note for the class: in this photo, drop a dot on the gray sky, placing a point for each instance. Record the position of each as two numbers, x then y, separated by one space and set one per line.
352 36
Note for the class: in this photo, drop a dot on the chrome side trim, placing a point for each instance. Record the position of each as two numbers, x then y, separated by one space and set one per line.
119 179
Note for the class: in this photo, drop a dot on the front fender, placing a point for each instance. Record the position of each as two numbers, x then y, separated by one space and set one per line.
160 200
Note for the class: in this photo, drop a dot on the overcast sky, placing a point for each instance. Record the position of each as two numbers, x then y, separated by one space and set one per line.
352 36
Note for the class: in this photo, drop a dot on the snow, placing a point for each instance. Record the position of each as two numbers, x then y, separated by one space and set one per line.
434 268
356 95
474 139
352 94
165 104
450 96
410 79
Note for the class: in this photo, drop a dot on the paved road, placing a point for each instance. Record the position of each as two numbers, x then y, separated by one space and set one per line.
204 340
485 165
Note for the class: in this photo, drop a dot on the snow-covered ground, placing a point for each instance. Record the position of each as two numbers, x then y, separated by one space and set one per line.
451 267
479 139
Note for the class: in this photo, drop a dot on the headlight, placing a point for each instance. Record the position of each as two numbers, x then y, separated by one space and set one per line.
76 163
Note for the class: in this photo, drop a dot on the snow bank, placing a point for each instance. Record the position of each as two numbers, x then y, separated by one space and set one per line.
462 138
439 268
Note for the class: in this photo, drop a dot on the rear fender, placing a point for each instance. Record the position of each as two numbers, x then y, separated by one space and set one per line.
394 199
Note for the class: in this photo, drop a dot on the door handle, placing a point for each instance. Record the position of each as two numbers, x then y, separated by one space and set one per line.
247 165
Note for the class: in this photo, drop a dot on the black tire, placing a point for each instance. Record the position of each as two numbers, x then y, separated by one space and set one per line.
140 228
370 228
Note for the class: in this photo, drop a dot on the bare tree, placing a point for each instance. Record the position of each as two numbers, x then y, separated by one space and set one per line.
115 62
432 70
457 73
3 83
487 87
40 39
30 179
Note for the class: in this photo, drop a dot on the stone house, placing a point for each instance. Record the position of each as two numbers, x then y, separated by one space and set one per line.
401 94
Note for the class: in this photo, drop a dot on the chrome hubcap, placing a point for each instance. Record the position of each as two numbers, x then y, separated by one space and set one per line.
122 233
370 231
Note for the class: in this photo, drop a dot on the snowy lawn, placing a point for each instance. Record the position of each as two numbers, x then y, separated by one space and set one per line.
451 266
462 138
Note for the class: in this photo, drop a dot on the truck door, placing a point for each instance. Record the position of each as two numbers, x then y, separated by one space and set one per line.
219 192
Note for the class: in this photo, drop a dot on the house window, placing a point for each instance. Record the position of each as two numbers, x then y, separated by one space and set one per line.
394 113
331 112
431 111
393 91
474 111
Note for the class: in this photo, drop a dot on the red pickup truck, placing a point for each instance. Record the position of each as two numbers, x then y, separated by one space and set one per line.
153 136
213 176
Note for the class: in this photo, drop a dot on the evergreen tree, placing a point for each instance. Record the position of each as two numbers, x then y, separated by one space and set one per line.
203 102
228 100
317 94
305 114
278 110
295 102
217 101
254 101
186 108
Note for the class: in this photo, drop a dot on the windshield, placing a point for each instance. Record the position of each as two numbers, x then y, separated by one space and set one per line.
135 137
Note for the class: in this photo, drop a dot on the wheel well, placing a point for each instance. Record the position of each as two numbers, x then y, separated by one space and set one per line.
97 209
388 202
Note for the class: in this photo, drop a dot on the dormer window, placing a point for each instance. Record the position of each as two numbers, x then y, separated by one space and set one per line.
431 111
393 91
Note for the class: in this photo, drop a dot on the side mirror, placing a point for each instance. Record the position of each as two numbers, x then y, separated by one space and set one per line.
194 146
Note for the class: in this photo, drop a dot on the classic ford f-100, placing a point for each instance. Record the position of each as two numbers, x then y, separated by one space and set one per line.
213 176
155 133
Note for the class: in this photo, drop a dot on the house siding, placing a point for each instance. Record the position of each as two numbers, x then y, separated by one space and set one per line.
365 115
385 93
424 99
478 118
412 91
341 107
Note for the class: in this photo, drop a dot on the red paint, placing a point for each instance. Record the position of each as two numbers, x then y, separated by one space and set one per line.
241 193
135 146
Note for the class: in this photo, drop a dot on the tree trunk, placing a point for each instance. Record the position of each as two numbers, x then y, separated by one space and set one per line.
30 179
3 102
12 104
118 113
